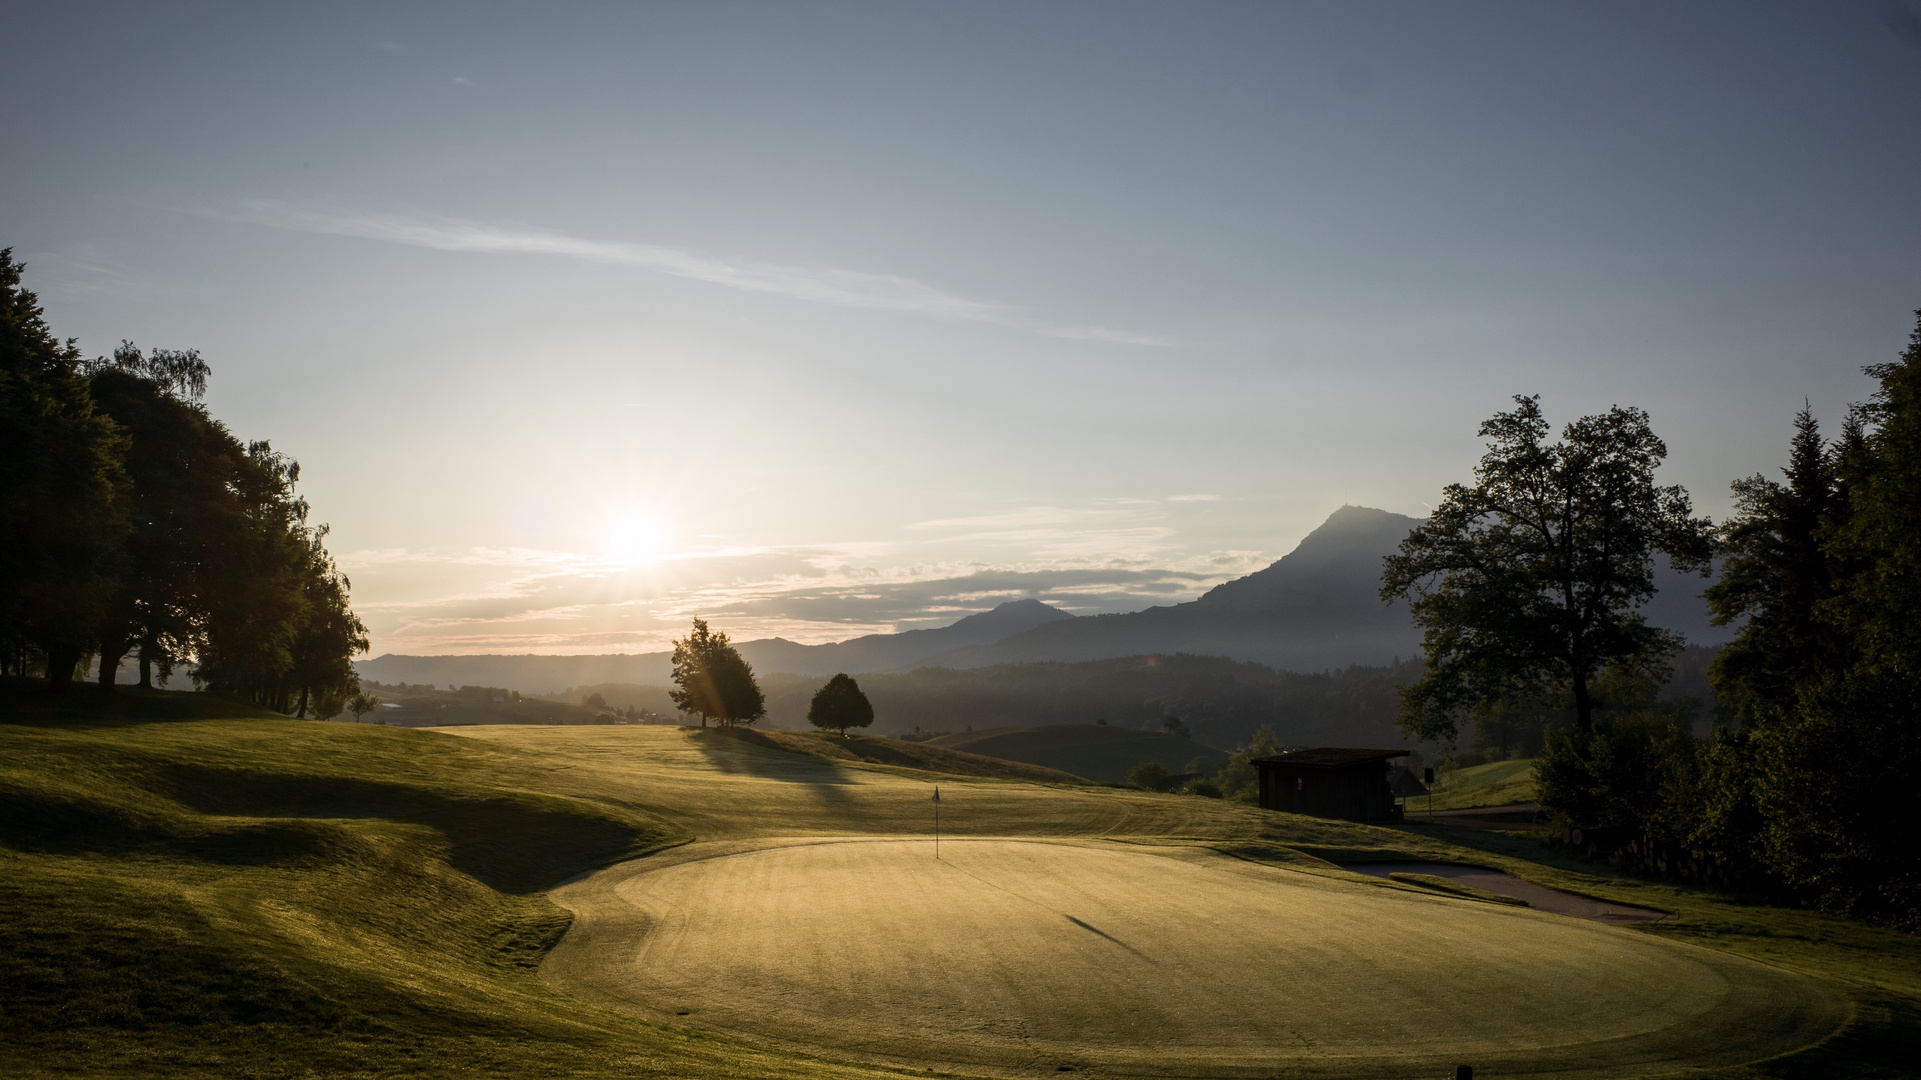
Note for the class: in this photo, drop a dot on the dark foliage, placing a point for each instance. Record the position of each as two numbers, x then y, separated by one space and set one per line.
62 493
840 705
714 682
132 520
1527 582
1811 789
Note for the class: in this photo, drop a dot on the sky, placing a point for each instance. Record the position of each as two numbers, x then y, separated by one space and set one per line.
821 319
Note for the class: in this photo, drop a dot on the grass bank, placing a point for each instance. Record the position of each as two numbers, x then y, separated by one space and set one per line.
192 888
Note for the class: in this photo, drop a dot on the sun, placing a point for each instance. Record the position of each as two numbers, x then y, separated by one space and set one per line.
635 538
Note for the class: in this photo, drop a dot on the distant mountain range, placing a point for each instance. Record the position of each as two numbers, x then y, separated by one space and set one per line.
1316 608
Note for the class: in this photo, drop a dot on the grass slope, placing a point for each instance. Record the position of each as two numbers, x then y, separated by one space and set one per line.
1099 753
251 896
1497 783
883 751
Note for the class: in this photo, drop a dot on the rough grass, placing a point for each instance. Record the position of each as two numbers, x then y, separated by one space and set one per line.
251 896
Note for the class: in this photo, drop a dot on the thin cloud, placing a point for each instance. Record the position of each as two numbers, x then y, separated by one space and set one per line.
814 284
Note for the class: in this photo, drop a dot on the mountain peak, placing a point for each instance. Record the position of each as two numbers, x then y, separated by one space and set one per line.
1017 614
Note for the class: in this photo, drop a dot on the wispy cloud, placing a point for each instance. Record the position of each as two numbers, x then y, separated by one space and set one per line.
815 284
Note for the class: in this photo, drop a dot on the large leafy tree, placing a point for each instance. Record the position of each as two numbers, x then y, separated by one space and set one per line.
62 505
179 463
326 637
840 705
1525 584
713 681
256 602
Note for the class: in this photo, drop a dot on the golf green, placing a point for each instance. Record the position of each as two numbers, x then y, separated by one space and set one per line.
1020 956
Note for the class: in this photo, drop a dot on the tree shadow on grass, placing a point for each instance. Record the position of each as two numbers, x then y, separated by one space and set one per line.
745 751
29 703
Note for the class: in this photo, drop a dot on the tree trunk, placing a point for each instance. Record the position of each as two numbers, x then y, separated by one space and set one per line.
60 663
110 653
1583 703
146 668
301 713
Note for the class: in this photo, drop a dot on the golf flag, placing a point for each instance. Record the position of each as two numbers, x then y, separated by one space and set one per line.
937 794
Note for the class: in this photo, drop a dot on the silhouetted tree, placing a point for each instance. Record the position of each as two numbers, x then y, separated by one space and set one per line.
327 635
1175 726
278 630
1776 575
840 705
1833 772
62 493
714 682
178 463
1527 581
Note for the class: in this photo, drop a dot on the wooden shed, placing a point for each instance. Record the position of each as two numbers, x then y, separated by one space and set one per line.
1329 781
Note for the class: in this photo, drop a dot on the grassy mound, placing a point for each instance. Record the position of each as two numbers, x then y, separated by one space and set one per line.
1099 753
276 897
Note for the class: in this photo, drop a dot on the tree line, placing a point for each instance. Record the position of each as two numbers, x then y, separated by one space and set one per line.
134 524
1526 582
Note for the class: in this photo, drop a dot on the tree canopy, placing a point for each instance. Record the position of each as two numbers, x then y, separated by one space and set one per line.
134 520
62 492
1525 584
840 705
713 681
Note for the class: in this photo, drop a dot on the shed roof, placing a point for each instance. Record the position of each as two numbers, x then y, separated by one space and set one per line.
1331 757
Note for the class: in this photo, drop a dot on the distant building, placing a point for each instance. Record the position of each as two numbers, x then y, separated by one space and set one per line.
1330 781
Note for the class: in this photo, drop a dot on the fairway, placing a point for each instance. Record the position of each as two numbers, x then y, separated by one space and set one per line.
1023 956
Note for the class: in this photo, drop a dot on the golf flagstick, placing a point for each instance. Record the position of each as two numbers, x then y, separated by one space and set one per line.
936 821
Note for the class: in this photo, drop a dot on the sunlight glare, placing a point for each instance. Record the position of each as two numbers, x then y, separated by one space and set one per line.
636 538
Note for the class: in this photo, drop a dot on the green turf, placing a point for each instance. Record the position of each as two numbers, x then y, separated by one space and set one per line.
1097 752
1497 783
252 896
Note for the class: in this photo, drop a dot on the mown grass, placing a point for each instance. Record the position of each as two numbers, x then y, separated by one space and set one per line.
1497 783
252 896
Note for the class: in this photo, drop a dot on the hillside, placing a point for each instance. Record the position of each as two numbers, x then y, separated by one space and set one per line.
1222 701
532 674
1103 754
257 896
1497 783
1317 608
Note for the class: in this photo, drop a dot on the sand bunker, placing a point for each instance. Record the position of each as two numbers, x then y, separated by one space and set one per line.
1021 957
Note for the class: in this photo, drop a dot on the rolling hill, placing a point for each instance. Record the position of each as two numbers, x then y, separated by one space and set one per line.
256 896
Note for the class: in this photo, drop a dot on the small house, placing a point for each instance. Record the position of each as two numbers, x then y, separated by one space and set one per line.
1330 781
